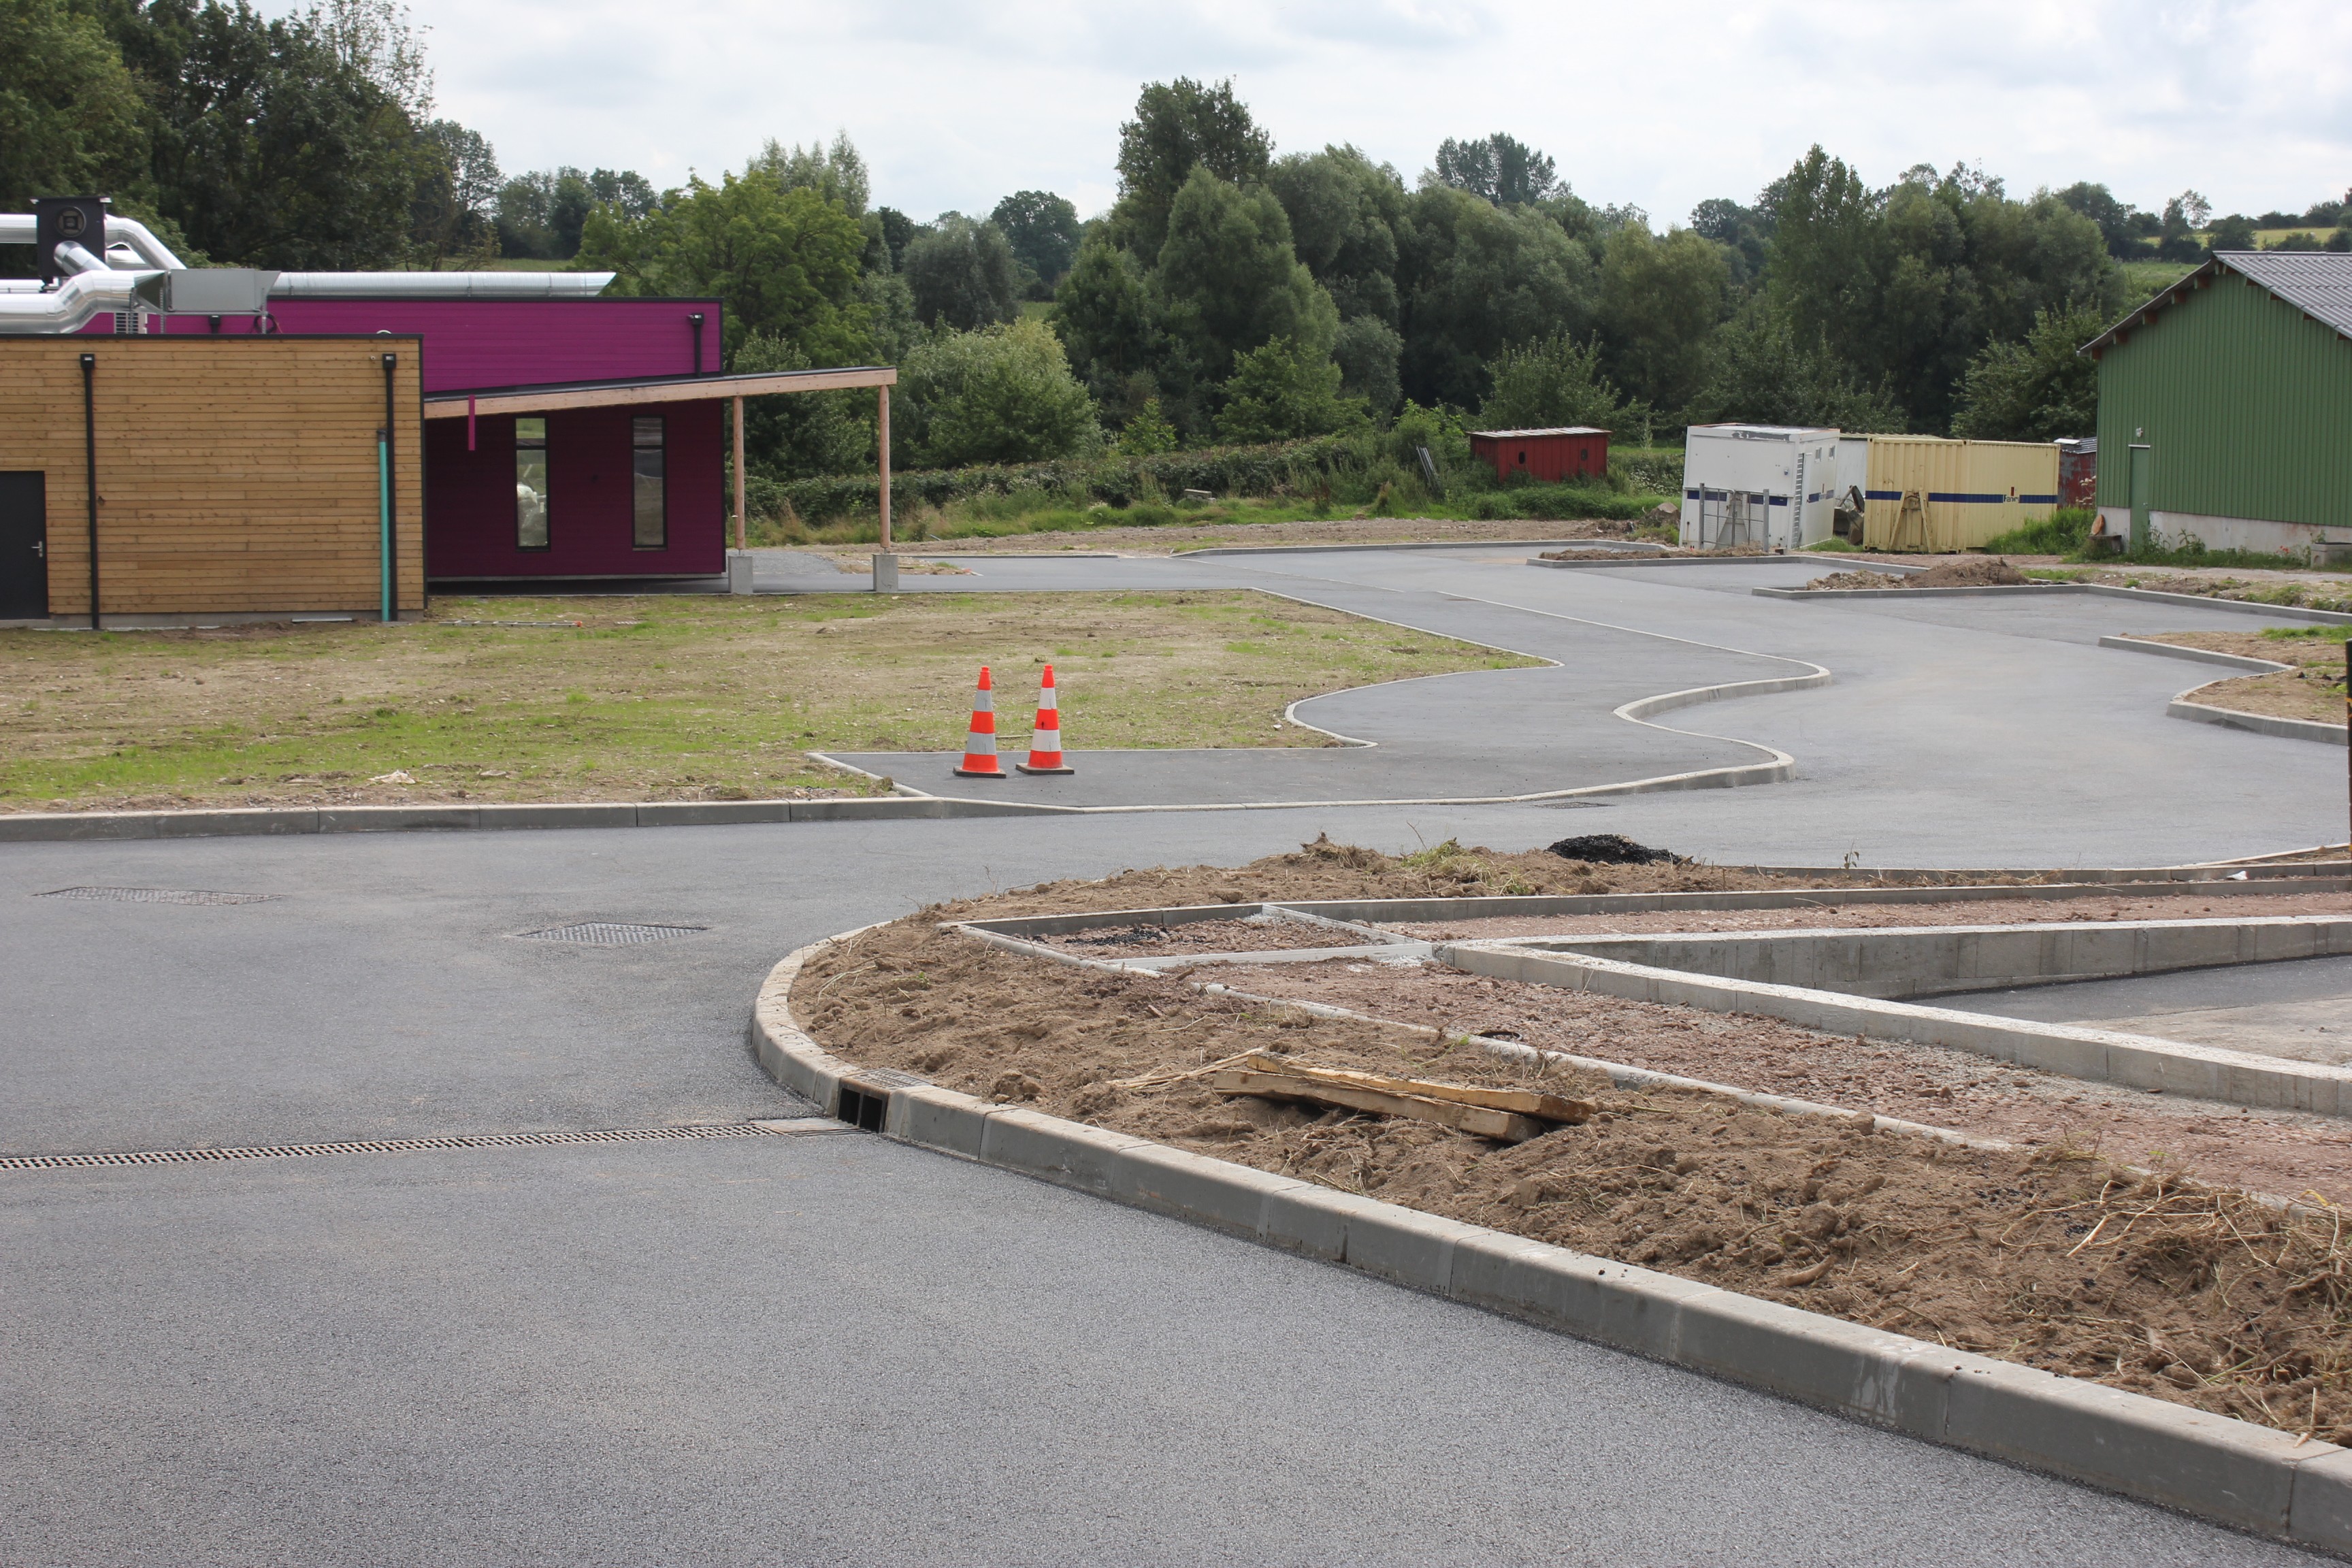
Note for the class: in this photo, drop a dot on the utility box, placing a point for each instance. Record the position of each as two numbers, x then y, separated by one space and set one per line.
209 292
1561 453
2078 473
1932 496
1767 486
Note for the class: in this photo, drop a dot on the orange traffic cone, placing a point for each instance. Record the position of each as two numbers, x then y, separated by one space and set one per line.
1046 739
980 745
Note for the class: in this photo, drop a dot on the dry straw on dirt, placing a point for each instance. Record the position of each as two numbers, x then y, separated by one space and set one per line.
2052 1256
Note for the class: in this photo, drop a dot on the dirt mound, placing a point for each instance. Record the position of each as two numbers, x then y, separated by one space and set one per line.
2052 1258
1958 572
1612 850
1324 868
1839 580
1968 572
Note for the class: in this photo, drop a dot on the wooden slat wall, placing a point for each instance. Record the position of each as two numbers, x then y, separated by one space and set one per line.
236 474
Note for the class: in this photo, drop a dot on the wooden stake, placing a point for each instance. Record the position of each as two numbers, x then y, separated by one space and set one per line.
885 444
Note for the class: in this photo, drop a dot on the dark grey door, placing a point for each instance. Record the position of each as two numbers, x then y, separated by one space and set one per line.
23 547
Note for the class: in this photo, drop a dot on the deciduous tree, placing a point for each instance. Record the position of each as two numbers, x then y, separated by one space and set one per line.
785 263
962 274
1179 127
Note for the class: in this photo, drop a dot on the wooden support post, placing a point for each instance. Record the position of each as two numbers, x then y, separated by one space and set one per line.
885 444
739 475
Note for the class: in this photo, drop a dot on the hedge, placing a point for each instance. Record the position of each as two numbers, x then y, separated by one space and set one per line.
1285 468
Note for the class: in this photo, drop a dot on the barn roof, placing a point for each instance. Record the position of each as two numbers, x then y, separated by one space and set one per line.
2317 282
1555 430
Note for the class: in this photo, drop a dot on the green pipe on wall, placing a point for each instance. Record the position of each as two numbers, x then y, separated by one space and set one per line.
383 517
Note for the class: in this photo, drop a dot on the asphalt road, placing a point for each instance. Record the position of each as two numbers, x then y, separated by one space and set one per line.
830 1349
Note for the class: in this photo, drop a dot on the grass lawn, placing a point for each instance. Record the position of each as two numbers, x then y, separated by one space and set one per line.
655 698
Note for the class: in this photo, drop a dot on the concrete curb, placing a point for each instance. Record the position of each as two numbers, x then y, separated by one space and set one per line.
2196 655
2280 612
1402 544
1706 561
2233 718
2099 1056
1912 593
1905 963
2259 724
1363 914
2212 1467
61 826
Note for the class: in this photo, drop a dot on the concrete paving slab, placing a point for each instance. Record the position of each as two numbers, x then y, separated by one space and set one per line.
2300 1008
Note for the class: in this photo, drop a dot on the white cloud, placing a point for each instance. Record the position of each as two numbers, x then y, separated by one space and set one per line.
1661 105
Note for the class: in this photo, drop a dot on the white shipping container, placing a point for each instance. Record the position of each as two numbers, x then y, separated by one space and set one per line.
1771 485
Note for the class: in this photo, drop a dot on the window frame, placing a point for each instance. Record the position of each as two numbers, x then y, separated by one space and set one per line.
546 488
659 448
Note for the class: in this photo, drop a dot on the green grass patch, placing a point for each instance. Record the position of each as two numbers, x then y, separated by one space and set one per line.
2065 531
655 697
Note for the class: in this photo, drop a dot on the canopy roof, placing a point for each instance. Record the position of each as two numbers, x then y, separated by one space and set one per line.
649 389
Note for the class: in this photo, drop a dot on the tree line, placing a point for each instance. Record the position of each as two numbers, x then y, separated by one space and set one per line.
1231 294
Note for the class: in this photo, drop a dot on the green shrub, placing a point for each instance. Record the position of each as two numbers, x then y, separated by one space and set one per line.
1290 467
1560 503
2063 532
1002 393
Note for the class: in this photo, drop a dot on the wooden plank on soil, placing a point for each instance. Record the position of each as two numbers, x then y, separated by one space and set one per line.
1526 1103
1445 1104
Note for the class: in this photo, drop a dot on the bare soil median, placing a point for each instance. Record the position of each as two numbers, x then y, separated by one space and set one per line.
2055 1254
2313 689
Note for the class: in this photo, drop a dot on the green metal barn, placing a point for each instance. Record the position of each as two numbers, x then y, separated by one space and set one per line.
2225 409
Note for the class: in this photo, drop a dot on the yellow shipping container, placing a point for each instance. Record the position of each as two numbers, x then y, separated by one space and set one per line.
1925 493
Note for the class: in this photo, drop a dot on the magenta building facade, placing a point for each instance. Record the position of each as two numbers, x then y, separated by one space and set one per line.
614 489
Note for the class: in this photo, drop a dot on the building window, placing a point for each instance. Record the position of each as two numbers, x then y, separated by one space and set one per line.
652 511
531 484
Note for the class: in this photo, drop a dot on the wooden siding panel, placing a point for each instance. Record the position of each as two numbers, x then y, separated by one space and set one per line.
236 474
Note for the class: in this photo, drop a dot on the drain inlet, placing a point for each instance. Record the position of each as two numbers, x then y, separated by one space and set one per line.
607 934
769 1129
159 895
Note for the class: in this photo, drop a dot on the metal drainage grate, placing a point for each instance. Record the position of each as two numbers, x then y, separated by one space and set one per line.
864 1102
159 895
603 933
404 1145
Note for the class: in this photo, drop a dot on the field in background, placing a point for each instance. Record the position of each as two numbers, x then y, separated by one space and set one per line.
2143 280
655 698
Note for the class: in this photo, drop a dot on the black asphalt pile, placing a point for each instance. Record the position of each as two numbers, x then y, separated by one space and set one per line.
1613 850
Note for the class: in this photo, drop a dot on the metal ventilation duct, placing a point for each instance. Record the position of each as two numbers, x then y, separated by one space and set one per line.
99 286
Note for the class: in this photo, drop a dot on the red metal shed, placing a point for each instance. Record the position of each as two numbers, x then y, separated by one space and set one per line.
1556 454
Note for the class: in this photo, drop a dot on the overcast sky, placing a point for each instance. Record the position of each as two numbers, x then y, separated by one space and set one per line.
1660 104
